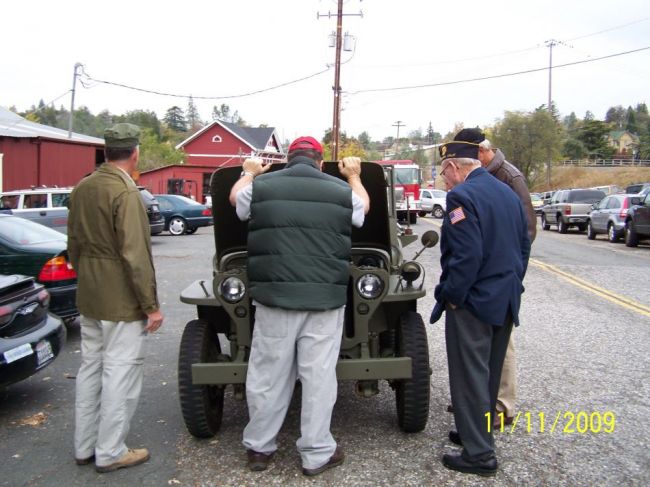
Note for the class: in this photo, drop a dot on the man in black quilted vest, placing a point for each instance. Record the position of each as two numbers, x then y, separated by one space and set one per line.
300 223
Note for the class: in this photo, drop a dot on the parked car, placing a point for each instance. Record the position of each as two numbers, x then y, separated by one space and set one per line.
636 188
609 189
570 208
31 249
433 201
30 337
637 222
609 215
152 205
47 206
183 215
537 202
547 196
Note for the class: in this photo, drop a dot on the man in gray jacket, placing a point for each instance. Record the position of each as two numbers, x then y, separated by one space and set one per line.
495 163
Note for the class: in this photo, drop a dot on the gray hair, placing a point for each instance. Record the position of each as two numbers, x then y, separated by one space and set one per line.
466 161
486 144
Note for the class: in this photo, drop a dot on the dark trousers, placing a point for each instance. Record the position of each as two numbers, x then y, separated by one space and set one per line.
475 353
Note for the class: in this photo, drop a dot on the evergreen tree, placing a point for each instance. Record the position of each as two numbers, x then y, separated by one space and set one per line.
175 119
194 121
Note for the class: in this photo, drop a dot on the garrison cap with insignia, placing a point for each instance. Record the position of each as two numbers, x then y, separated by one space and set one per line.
458 150
122 136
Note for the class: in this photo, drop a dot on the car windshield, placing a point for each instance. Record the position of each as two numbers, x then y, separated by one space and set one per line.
25 232
406 175
535 197
585 196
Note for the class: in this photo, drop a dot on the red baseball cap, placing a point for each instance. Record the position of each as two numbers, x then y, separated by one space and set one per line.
302 143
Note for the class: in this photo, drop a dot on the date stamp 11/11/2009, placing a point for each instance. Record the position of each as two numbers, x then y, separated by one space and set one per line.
567 422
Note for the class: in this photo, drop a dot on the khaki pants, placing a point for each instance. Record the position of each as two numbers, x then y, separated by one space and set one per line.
289 345
109 382
508 385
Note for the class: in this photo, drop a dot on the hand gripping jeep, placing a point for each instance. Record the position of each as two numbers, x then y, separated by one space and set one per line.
384 337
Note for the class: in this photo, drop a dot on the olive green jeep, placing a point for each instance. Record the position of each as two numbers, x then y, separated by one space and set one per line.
384 337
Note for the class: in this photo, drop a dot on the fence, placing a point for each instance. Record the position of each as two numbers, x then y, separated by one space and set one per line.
604 163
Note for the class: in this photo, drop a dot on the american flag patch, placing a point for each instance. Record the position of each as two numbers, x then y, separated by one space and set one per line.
456 215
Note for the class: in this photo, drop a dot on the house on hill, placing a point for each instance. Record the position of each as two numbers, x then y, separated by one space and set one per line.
32 154
625 144
218 144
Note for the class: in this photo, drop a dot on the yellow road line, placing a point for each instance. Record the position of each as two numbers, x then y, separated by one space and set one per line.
599 291
586 285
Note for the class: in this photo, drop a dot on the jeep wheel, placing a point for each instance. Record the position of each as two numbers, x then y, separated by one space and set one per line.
177 226
545 225
561 226
412 395
438 212
591 235
201 405
413 218
631 238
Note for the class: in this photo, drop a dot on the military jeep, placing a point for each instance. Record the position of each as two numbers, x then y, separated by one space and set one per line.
384 337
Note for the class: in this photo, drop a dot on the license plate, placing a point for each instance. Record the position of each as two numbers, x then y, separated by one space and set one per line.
44 352
18 353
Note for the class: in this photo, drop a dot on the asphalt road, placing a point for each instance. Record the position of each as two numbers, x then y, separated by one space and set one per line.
582 351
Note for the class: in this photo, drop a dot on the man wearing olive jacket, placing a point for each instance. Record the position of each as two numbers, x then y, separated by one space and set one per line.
110 248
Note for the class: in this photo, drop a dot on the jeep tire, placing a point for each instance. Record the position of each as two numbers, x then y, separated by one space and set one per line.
412 395
201 405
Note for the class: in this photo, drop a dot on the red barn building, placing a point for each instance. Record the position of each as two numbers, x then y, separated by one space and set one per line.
218 144
32 154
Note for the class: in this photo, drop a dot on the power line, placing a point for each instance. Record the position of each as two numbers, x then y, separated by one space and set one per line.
608 30
505 75
175 95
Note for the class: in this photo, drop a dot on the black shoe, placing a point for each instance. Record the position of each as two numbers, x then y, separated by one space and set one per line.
334 461
450 408
454 437
258 461
486 468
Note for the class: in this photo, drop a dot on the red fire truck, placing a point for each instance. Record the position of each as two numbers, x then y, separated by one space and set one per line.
408 178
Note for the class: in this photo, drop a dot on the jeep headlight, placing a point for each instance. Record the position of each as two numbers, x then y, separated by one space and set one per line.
370 286
232 289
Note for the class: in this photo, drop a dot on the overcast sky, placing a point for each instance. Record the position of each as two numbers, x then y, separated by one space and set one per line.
219 48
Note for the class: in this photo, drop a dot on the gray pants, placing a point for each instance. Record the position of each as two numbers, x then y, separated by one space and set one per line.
475 352
109 382
288 345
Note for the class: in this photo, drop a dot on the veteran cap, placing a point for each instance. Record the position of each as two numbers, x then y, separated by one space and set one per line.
122 136
458 150
470 135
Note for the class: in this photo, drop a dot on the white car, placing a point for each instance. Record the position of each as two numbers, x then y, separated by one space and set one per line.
433 201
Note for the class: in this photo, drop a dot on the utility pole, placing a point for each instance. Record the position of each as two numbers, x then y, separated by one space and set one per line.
74 87
336 119
397 124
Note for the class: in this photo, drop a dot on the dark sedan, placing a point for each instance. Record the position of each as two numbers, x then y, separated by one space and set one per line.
30 337
34 250
183 215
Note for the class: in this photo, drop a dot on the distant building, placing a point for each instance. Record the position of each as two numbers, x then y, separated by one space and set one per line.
32 154
218 144
625 144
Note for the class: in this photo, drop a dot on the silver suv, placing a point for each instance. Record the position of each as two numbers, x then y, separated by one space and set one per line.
47 206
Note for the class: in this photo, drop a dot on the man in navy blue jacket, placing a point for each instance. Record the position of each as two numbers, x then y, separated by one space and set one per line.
485 248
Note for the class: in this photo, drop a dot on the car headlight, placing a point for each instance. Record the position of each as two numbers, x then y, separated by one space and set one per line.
232 289
370 286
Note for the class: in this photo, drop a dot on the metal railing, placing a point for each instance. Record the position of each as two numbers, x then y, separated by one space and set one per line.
604 163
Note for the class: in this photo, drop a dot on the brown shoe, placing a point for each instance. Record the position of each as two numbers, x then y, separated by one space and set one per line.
85 461
334 461
257 461
130 459
496 424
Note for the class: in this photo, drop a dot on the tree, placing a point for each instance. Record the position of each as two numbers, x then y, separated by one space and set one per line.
433 137
175 119
143 119
194 121
630 124
364 140
616 116
224 113
529 140
156 153
593 134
